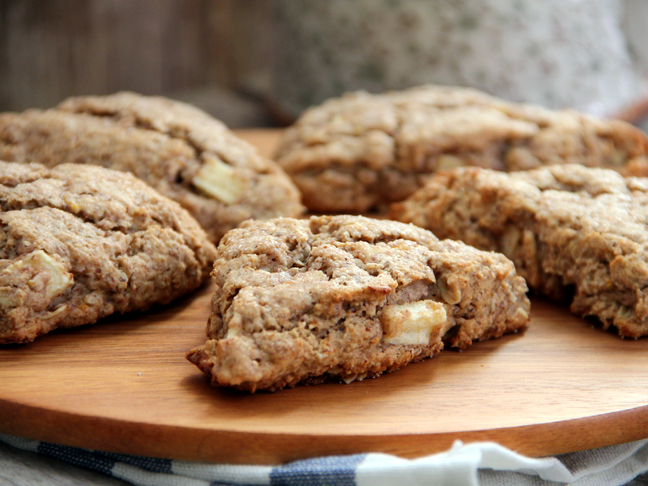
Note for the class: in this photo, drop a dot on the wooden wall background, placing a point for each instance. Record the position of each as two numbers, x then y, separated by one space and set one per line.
52 49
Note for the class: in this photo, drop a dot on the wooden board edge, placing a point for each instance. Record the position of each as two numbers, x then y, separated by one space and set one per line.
239 447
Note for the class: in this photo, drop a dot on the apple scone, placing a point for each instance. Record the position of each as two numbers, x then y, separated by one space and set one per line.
176 148
363 151
347 298
80 242
575 234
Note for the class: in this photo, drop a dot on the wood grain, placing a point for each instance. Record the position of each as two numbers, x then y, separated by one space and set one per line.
49 51
123 385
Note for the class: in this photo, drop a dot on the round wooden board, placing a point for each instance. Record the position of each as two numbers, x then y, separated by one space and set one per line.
123 385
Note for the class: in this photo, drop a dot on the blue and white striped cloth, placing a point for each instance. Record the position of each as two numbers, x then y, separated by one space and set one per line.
483 464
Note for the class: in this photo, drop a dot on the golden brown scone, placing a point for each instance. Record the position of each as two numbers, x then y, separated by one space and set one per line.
348 298
176 148
80 242
575 233
363 151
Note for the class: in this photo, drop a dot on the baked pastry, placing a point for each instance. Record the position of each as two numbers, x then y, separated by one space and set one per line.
80 242
176 148
574 233
348 298
362 151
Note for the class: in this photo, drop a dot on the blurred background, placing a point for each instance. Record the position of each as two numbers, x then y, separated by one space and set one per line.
259 63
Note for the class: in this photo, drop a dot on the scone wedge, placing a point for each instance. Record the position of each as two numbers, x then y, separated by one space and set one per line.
576 234
80 242
360 151
348 298
176 148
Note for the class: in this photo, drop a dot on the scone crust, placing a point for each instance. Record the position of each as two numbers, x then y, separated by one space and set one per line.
575 233
163 142
363 151
80 242
305 300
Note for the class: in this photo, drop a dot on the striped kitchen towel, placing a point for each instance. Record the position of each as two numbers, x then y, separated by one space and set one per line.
482 464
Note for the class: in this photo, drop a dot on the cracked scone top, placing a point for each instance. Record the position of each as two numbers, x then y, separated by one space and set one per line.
80 242
575 233
176 148
347 298
361 151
